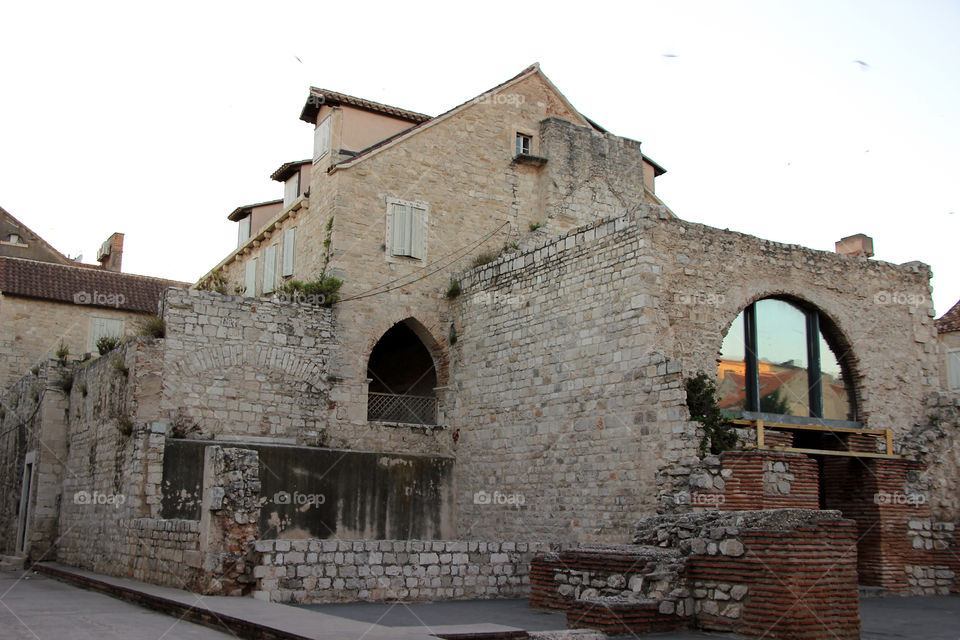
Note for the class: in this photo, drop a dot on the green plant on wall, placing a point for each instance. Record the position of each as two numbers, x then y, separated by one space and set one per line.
719 433
324 290
215 281
62 354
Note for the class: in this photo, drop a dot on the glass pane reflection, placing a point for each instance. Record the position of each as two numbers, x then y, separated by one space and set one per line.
731 389
836 396
782 358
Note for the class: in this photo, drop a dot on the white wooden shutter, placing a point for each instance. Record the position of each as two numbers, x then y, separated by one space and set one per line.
243 231
104 327
401 230
321 139
289 247
250 278
269 269
416 232
953 370
291 190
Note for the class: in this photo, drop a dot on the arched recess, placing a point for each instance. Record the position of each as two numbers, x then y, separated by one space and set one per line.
783 355
404 370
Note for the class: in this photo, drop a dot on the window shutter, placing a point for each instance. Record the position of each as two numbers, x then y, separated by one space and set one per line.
291 190
269 269
289 245
416 232
953 370
250 278
243 230
401 230
104 327
321 140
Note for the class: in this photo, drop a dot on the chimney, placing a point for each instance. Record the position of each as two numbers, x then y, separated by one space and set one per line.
856 245
111 252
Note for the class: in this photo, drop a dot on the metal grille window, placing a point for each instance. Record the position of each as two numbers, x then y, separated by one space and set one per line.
390 407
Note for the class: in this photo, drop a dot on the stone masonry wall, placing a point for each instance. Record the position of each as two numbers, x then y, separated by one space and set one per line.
246 369
32 331
586 350
304 571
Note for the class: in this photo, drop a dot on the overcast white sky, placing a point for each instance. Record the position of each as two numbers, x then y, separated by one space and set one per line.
158 120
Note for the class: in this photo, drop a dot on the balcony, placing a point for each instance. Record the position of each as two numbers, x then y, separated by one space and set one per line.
407 409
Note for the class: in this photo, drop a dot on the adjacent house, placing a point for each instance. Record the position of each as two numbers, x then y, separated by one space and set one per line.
49 302
948 330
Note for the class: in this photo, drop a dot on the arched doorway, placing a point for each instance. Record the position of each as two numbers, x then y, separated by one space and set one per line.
403 379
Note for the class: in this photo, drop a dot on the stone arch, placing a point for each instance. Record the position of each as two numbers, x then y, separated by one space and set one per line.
405 368
426 332
830 326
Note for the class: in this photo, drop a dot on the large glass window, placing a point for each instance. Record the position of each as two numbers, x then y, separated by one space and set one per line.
776 359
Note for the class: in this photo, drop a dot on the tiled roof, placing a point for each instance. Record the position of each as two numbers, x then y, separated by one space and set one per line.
950 321
82 285
287 169
320 97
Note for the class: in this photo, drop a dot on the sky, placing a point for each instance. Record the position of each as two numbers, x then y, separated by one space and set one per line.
797 121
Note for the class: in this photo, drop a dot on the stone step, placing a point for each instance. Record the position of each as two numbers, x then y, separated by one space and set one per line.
11 563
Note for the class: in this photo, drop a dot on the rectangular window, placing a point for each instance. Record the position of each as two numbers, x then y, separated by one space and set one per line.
250 278
524 144
321 140
269 269
104 328
407 229
288 249
243 231
291 190
953 370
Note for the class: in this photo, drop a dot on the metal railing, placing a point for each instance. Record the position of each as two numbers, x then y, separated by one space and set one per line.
883 434
392 407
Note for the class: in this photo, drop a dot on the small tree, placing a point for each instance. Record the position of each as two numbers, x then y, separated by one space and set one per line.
719 434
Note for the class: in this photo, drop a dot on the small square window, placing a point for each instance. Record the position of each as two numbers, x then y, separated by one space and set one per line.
524 144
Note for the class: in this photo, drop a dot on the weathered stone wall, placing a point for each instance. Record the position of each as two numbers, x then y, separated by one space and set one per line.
303 571
584 363
246 369
32 330
32 430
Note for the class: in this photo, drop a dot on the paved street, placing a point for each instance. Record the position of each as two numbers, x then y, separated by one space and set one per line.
37 607
41 608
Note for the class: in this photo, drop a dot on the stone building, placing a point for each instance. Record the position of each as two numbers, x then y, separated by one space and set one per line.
502 378
50 302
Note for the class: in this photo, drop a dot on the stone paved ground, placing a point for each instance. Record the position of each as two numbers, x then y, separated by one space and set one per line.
41 608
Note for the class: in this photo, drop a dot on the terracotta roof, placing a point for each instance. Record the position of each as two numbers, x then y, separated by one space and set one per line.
287 169
244 210
320 97
950 321
82 285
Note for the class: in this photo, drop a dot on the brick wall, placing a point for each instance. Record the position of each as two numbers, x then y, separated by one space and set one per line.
765 480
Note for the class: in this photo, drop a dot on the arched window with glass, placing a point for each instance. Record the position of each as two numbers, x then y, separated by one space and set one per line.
777 359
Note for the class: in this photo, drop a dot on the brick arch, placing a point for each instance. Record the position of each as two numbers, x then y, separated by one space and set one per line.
832 331
289 366
426 333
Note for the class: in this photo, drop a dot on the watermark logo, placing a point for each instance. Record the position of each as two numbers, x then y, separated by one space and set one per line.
699 499
97 498
298 499
315 299
496 298
99 298
911 499
500 98
899 297
499 498
692 299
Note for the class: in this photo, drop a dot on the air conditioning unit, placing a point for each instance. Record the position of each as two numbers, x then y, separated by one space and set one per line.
103 251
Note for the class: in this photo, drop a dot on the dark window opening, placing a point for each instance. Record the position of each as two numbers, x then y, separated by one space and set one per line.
524 144
402 379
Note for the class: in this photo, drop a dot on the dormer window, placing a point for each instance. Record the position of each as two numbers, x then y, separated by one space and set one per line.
243 231
14 238
291 190
524 144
